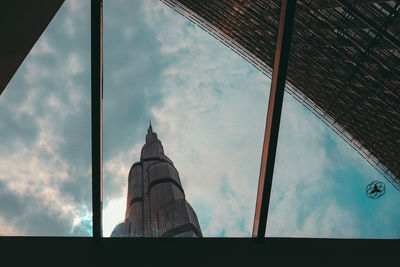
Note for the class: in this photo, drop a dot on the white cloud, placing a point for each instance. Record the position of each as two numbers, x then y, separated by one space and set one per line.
75 5
27 173
6 228
74 64
34 72
212 101
211 123
77 13
69 27
299 174
42 47
37 168
333 221
28 106
129 32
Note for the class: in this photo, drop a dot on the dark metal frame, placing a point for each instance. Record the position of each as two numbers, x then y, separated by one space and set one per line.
82 250
97 120
370 22
273 117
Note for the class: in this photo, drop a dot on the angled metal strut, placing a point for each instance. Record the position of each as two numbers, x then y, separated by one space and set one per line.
273 117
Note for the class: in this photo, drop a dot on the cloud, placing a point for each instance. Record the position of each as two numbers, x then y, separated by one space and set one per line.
74 64
208 107
132 67
211 123
42 47
144 79
45 125
32 213
319 184
33 180
302 184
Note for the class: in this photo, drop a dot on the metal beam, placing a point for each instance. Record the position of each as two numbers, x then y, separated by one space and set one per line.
371 24
359 25
273 117
97 120
333 4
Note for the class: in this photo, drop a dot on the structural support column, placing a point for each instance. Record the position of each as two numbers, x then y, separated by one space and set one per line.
97 120
273 117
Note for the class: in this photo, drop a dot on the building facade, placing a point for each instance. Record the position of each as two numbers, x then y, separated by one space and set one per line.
156 205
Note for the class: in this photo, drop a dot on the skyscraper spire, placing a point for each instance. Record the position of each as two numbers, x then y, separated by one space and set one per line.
151 136
150 129
156 204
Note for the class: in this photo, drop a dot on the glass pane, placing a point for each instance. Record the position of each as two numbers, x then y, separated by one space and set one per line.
319 185
207 106
322 187
45 158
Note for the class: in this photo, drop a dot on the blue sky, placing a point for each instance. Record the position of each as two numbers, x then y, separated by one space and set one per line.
207 105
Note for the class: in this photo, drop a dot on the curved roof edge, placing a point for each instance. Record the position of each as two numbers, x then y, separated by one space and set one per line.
299 96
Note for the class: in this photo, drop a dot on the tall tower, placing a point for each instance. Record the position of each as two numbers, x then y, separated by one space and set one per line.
156 205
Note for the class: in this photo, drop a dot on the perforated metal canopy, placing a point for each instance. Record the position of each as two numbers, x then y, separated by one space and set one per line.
344 63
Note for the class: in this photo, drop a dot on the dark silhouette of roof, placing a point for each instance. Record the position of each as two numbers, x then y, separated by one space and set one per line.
344 63
21 24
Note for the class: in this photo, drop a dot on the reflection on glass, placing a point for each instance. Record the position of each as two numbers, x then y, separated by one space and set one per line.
45 160
207 106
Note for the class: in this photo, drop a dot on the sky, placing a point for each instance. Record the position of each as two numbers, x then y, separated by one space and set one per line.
208 107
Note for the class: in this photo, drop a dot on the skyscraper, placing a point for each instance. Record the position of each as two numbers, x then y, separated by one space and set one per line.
156 205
